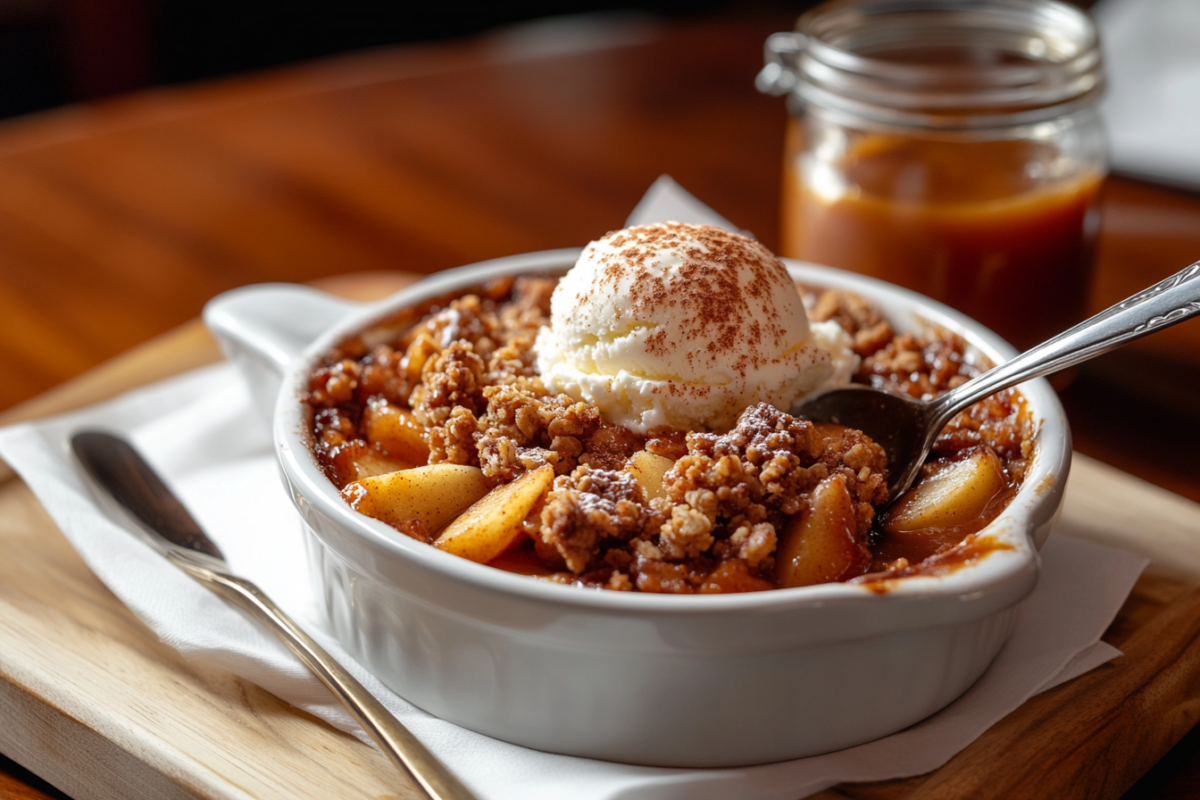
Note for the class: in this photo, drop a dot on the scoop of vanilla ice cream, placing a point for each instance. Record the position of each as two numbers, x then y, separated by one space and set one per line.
679 325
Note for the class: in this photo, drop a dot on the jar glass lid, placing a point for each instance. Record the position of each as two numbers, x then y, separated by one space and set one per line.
939 63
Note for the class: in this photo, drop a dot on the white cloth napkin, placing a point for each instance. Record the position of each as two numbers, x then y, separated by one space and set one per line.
666 200
201 432
1152 60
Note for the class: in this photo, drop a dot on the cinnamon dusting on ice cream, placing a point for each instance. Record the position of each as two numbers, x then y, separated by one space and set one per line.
680 325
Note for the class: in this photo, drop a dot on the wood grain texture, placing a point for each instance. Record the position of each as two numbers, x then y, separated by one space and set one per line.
120 219
53 724
95 704
411 159
18 783
1155 681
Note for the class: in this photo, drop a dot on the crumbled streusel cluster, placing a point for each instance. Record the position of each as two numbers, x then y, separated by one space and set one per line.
461 385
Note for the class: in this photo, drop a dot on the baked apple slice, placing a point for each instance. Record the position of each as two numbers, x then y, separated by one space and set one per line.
486 529
956 495
432 495
818 544
396 432
356 460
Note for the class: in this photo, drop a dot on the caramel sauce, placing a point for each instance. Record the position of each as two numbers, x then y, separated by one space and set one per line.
982 225
916 546
522 560
969 551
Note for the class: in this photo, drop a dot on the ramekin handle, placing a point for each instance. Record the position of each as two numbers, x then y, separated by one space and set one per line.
262 328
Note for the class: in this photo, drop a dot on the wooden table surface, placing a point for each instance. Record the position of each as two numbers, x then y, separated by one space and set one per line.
119 220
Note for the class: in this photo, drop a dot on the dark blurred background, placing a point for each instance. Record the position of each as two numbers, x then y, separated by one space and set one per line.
62 51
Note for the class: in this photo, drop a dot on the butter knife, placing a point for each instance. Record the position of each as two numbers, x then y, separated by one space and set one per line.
164 523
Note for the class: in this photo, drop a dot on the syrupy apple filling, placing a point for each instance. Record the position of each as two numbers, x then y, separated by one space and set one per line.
437 422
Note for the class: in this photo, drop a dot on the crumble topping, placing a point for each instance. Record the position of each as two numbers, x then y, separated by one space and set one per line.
591 508
765 468
464 379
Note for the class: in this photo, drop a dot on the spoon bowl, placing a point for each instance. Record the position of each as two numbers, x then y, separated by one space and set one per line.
898 423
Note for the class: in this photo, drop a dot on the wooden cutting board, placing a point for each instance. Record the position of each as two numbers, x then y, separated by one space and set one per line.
91 701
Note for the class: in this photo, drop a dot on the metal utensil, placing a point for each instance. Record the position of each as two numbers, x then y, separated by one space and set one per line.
906 427
166 525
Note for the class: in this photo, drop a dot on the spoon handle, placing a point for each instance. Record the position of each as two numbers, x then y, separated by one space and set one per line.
404 749
1164 304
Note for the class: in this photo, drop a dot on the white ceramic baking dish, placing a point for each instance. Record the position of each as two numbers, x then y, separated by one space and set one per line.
692 681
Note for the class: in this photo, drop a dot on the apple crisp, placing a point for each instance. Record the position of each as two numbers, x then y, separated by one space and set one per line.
441 427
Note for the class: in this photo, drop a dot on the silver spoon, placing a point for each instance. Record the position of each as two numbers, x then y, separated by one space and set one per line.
906 428
166 525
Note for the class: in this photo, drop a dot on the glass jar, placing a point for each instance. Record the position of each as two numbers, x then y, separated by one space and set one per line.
954 148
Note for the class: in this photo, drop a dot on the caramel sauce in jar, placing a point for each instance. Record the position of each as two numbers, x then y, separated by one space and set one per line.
960 222
951 149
